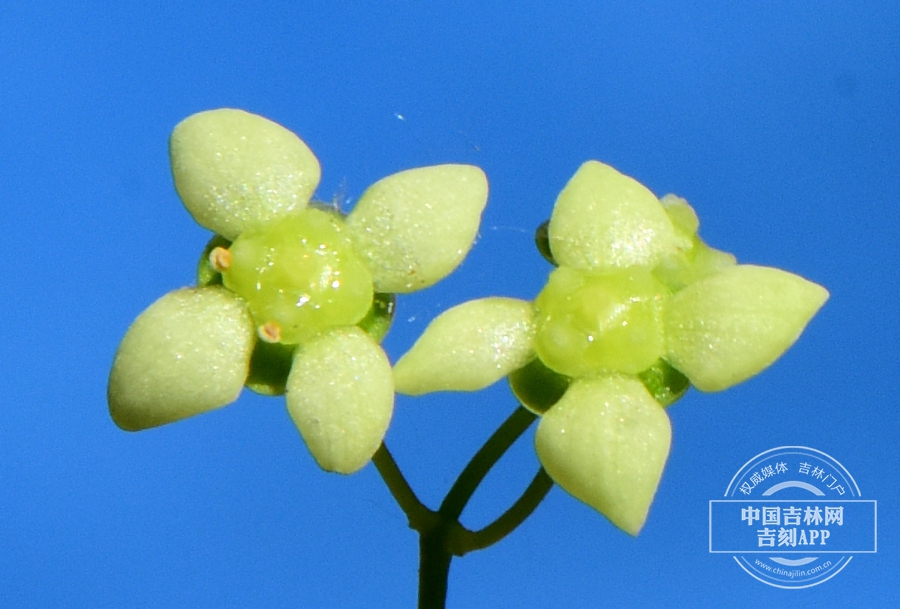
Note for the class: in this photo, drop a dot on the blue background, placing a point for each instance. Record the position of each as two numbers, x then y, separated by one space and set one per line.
779 122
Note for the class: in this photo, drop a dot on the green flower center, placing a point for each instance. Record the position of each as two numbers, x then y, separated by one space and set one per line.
590 322
300 275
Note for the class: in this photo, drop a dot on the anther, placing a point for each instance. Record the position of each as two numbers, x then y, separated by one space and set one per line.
270 332
220 259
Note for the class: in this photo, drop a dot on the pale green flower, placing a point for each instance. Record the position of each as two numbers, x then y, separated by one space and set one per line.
639 309
305 293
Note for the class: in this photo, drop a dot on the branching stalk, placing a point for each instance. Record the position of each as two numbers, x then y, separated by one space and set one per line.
441 535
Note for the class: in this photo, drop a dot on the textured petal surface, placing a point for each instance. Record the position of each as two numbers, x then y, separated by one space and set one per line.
235 170
731 325
683 217
692 259
469 347
416 226
340 394
604 220
186 354
606 443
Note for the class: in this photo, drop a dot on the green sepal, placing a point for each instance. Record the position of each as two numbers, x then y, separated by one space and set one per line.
235 170
606 443
270 365
340 395
206 274
604 220
414 227
378 320
188 353
468 347
537 387
666 384
733 324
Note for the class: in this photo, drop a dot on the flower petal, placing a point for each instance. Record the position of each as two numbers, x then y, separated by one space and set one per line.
731 325
692 259
416 226
606 443
683 217
187 353
604 220
340 395
469 347
235 170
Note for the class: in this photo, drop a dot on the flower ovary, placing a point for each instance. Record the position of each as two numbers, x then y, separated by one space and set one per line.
591 322
300 276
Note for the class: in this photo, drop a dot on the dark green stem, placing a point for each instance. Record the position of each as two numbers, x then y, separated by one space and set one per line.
434 568
509 521
420 517
464 487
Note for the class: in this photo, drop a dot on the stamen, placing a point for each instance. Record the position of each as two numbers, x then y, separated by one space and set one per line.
270 332
220 259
